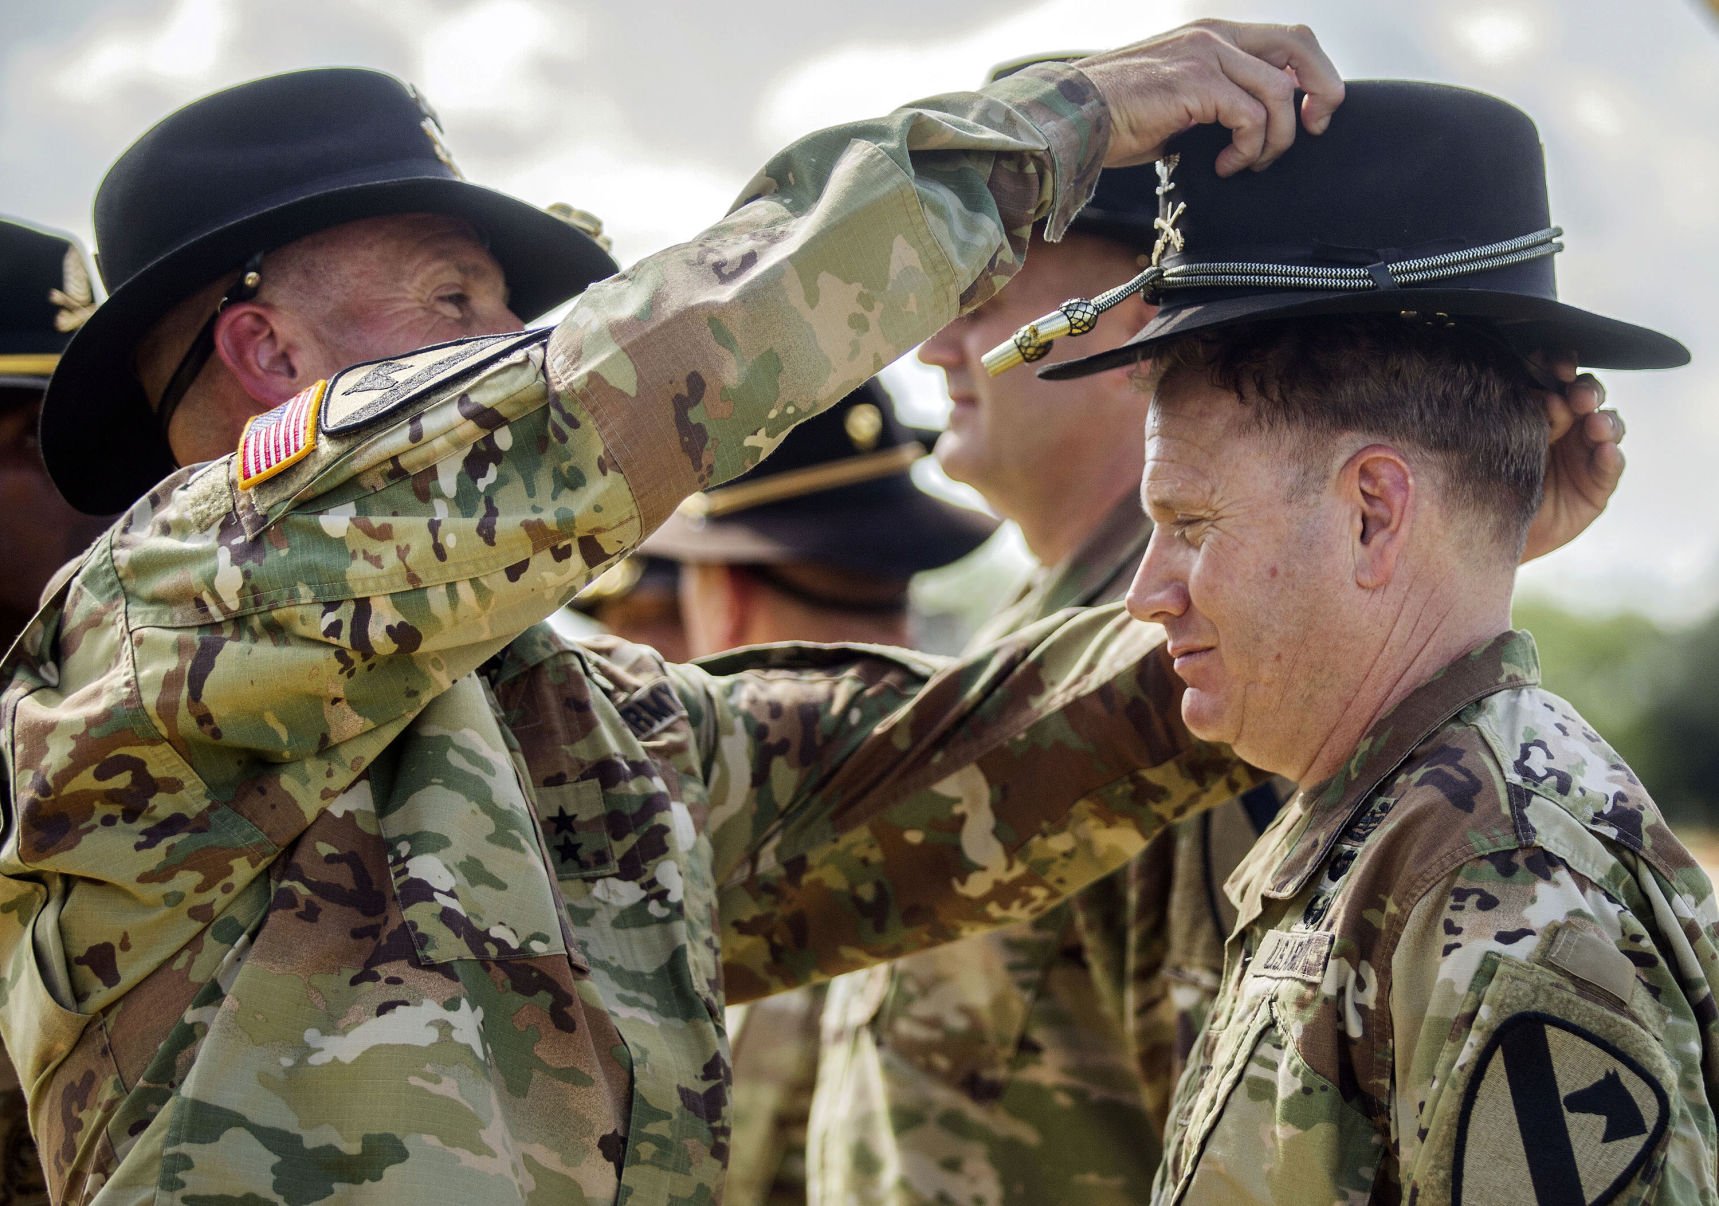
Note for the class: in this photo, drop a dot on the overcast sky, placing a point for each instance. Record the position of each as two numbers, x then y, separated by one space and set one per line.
654 114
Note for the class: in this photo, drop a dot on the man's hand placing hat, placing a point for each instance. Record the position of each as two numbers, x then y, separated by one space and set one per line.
1242 77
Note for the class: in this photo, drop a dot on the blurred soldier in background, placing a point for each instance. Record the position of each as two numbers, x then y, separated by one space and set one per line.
819 543
46 289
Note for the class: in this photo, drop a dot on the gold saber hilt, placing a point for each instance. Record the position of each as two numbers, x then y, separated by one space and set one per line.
1076 316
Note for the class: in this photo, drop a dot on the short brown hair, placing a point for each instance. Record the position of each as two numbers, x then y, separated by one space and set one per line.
1449 390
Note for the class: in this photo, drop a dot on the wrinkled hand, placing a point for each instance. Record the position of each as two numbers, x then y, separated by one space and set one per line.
1583 464
1243 76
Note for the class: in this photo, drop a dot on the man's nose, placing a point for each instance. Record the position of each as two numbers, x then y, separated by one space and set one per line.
942 350
1159 591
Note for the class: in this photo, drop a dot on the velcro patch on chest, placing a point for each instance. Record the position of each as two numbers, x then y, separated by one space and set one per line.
649 711
1286 955
279 438
367 392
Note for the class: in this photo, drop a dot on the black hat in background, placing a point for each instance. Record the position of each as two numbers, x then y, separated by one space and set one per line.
1420 199
836 492
248 170
1122 207
46 291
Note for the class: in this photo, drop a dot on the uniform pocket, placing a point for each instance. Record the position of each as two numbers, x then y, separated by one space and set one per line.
463 843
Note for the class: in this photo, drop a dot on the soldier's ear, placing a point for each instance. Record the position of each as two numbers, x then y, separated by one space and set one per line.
258 344
1377 485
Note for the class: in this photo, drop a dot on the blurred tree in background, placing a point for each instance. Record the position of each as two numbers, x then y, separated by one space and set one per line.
1652 692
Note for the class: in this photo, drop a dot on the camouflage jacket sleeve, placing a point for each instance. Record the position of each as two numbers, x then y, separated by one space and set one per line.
864 815
242 645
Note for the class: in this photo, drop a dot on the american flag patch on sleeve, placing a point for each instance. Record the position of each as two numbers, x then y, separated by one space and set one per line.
275 439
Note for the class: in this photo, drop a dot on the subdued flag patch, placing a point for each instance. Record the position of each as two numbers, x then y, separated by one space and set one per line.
1555 1114
275 439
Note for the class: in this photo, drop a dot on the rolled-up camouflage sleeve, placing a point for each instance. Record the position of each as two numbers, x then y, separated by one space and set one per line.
240 648
861 809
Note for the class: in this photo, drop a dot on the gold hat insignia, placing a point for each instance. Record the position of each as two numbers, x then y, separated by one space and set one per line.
75 298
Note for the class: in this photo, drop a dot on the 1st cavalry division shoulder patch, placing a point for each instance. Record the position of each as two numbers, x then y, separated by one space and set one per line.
278 438
1557 1115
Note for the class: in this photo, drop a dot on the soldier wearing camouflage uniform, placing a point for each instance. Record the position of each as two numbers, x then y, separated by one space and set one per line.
1036 1063
1472 964
329 876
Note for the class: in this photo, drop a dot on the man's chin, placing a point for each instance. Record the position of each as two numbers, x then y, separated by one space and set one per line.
1203 713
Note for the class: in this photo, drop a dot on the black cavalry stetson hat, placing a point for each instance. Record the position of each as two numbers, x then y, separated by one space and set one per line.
836 492
248 170
1420 198
45 292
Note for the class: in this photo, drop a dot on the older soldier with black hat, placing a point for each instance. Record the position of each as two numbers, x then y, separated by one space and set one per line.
1472 964
330 875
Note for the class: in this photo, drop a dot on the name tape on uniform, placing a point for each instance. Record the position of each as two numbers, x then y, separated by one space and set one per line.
1285 955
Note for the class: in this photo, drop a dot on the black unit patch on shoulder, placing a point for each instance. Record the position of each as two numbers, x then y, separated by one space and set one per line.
1554 1113
651 710
366 392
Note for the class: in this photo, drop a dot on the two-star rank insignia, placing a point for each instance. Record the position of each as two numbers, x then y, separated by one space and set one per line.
278 438
1555 1113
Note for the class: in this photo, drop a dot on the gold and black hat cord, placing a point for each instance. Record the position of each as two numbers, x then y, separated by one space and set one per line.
1078 316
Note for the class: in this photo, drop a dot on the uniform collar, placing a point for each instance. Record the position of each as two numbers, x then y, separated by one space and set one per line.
1506 662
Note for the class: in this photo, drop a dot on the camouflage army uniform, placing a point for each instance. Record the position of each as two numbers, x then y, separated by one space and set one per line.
321 882
1473 966
1034 1064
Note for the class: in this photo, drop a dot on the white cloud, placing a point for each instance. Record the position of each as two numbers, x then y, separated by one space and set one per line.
482 58
185 43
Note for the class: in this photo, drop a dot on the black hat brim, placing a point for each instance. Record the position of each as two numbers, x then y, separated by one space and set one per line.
100 440
1528 324
908 535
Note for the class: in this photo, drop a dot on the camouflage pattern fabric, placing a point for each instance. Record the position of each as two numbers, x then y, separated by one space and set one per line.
775 1045
1474 966
331 875
1035 1063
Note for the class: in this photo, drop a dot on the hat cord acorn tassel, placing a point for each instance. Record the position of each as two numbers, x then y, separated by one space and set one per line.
1078 315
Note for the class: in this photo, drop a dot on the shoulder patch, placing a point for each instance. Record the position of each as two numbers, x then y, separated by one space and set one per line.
1555 1111
280 437
366 392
